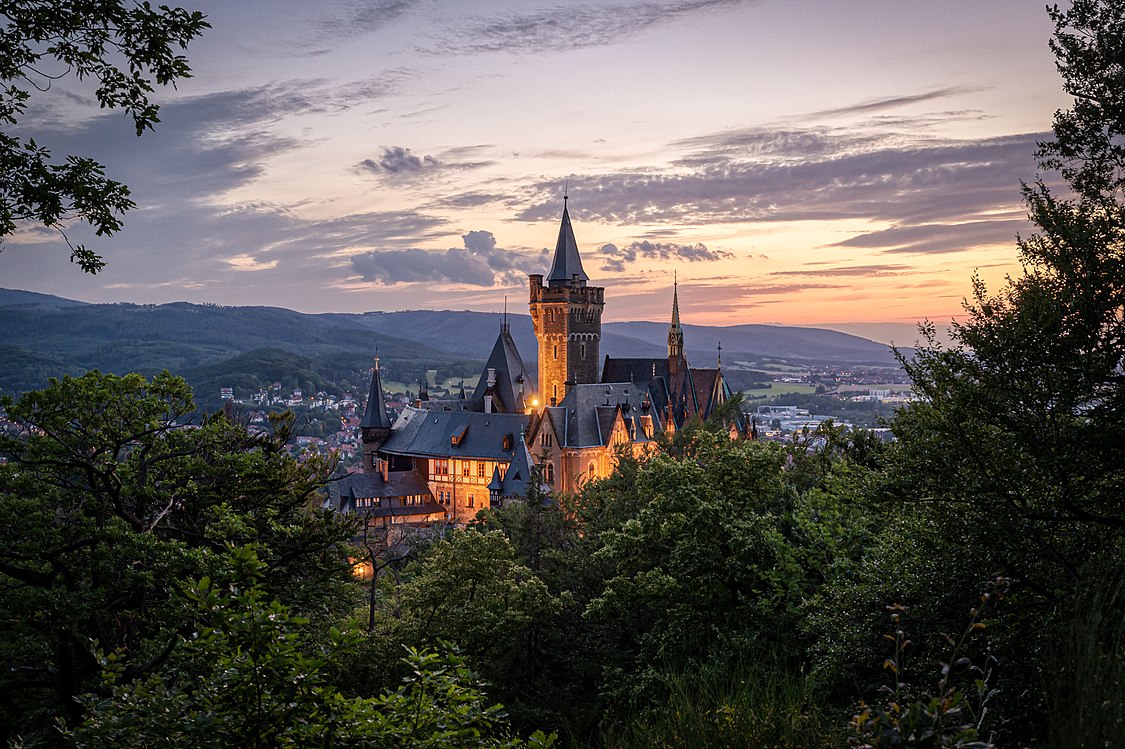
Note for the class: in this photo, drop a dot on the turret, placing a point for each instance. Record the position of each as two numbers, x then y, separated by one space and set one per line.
567 315
375 427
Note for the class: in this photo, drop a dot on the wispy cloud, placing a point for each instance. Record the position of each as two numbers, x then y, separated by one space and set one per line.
894 102
614 258
562 28
938 194
939 238
849 270
399 162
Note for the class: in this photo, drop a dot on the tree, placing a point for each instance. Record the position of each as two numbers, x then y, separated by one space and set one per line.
108 501
1024 420
1014 462
249 676
126 48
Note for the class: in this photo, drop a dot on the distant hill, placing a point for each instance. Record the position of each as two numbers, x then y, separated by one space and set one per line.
12 297
42 336
755 342
468 333
38 341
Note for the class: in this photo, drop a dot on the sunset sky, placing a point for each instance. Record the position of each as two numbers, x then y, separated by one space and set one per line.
794 161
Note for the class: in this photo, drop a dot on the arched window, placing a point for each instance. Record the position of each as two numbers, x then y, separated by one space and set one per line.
550 473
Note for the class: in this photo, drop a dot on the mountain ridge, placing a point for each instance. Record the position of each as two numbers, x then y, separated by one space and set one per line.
43 336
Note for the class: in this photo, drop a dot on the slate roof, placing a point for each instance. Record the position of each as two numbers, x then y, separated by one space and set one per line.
567 262
375 413
430 434
664 389
511 375
585 417
343 493
518 476
704 382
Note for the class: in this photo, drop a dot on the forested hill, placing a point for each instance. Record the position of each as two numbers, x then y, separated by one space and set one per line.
42 336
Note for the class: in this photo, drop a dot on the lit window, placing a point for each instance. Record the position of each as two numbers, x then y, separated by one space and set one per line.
464 468
472 501
480 470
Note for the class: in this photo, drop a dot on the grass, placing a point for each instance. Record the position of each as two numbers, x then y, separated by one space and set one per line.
1087 688
754 707
779 389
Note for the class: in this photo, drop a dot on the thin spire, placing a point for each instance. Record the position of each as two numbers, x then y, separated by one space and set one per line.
720 364
675 332
675 299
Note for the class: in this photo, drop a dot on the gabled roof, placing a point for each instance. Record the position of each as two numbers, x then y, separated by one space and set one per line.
512 378
664 388
567 262
344 492
588 412
430 434
518 476
704 381
375 414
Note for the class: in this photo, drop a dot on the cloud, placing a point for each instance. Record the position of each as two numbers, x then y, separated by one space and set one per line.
614 258
939 238
480 262
850 270
893 102
247 262
562 28
397 161
754 176
361 17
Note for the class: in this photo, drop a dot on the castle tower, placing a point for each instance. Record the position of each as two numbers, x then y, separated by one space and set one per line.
675 333
375 427
567 315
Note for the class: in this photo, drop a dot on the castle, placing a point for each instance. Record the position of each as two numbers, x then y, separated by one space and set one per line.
445 460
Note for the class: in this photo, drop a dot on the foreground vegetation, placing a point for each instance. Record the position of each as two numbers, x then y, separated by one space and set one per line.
962 587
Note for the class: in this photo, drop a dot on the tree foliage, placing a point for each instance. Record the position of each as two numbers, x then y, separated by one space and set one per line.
1025 418
249 676
108 500
125 48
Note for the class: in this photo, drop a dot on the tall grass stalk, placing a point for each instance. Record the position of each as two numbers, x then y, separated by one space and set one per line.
1087 688
755 706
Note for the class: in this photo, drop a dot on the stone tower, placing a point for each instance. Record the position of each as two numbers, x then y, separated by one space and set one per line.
567 315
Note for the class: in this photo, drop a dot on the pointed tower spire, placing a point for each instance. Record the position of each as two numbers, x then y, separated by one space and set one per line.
675 332
675 299
567 266
375 427
719 391
375 414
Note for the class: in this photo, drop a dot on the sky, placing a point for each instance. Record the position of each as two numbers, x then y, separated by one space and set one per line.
802 162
